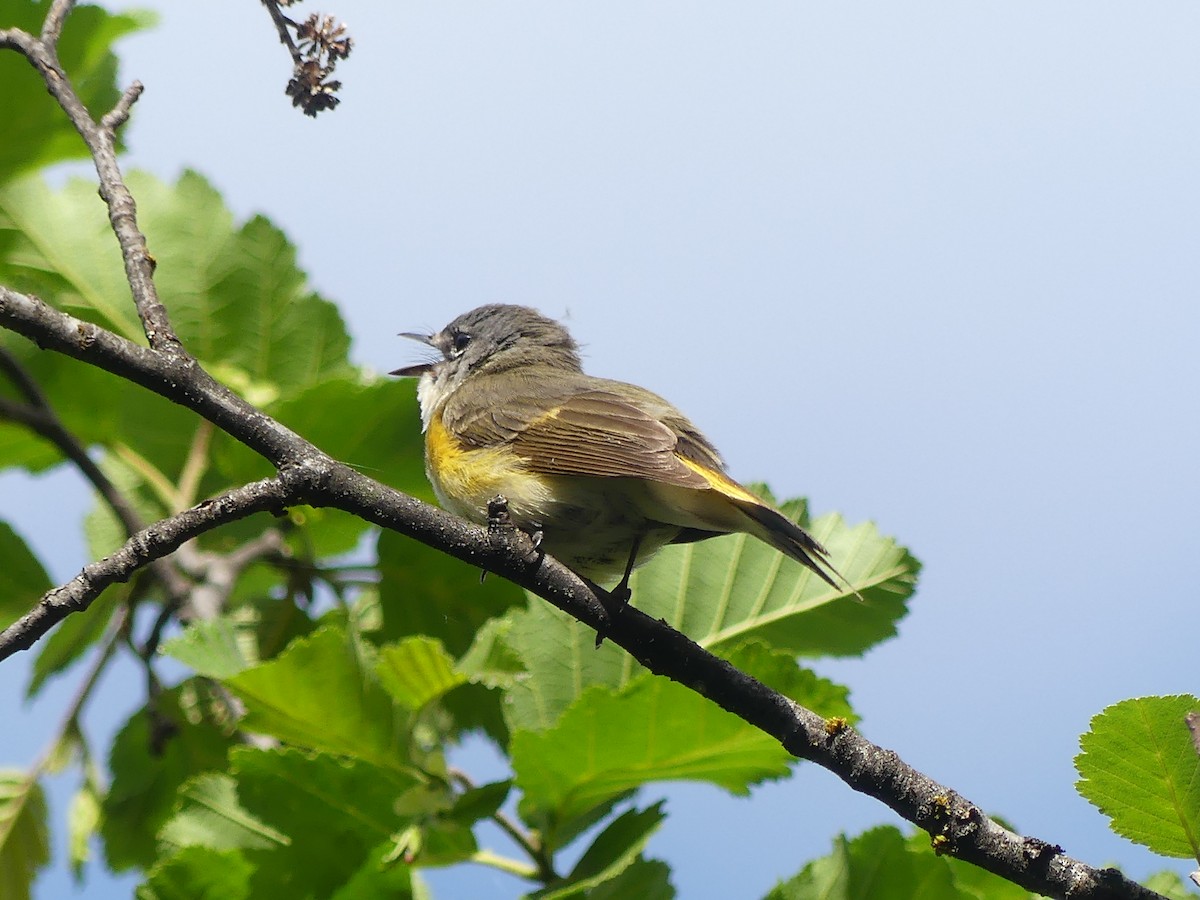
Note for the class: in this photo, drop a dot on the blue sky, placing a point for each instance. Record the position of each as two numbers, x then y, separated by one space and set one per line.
929 264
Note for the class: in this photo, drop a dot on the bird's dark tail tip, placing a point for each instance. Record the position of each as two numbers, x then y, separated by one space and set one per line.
789 538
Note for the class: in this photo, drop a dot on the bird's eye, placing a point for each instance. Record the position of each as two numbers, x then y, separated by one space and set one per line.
461 339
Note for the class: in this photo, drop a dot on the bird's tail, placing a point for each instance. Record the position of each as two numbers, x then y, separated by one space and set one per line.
790 539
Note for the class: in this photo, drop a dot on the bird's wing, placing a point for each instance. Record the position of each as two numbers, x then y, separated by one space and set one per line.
582 427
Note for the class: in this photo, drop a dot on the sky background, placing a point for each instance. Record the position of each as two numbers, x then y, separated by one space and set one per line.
929 264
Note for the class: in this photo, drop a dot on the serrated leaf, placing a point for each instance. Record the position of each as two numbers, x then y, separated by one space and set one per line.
150 758
882 864
779 670
424 591
653 730
209 815
1138 766
723 593
646 879
24 838
613 851
37 133
726 590
334 811
83 818
198 873
23 581
321 693
416 671
238 301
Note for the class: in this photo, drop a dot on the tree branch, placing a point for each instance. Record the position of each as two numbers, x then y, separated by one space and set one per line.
39 417
100 138
147 545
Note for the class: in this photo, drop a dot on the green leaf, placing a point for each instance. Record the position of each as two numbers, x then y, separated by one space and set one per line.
216 648
209 815
23 581
104 531
150 758
198 873
72 638
777 669
613 851
24 839
724 591
646 879
882 864
237 299
335 812
321 693
371 424
562 660
653 730
83 819
416 671
424 591
37 132
1171 885
479 802
380 877
1140 768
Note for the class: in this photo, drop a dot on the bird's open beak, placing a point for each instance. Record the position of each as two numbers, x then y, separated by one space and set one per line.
420 368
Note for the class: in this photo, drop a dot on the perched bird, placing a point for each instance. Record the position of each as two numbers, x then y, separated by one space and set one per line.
604 473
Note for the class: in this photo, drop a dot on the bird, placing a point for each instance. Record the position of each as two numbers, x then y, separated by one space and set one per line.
601 473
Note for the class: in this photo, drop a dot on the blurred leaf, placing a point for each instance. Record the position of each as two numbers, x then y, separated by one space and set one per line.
83 819
198 873
424 591
725 590
1138 766
24 838
321 693
37 132
104 532
646 879
613 851
479 802
378 877
149 764
209 815
212 647
416 670
1171 885
23 581
653 730
882 864
335 812
72 638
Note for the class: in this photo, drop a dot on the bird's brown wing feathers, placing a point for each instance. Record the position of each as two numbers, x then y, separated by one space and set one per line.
580 427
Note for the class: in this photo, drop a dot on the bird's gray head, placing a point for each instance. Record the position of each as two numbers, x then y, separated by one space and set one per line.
493 338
